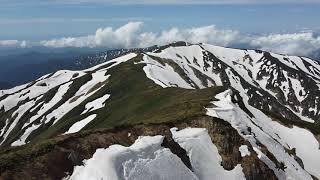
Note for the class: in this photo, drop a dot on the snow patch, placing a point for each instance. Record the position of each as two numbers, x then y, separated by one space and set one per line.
145 159
244 150
96 104
273 135
80 124
204 155
83 93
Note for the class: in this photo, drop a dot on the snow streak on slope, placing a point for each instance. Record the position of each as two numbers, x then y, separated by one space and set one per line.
22 139
113 62
17 115
44 101
163 76
83 93
276 137
96 104
31 93
292 82
45 107
80 124
39 87
188 64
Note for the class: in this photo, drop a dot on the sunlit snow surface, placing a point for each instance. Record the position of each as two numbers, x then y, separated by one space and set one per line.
62 80
143 160
80 124
247 63
204 156
96 104
244 150
242 68
41 86
147 159
273 135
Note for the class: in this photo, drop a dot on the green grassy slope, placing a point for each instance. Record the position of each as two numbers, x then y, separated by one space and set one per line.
136 99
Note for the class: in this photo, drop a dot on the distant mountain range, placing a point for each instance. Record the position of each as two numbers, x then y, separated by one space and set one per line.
28 65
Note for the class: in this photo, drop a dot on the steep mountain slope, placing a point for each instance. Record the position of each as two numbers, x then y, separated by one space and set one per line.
258 112
34 63
289 84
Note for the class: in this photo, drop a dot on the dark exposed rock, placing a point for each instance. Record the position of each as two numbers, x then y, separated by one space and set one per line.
66 151
292 152
42 84
176 149
75 75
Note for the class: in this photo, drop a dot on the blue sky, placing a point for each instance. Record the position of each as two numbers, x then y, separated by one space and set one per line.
35 21
256 21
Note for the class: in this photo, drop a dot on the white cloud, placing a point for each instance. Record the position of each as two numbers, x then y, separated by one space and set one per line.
13 43
23 44
303 44
123 37
8 42
129 36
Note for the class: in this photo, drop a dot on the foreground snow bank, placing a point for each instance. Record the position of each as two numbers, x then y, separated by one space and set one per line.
145 159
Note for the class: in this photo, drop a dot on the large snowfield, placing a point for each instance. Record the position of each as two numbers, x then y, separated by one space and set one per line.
147 159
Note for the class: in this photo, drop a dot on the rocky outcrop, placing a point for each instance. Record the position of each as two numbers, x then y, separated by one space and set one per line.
55 158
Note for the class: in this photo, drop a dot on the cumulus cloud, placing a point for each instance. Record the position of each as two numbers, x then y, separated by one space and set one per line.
13 43
206 34
131 35
305 43
123 37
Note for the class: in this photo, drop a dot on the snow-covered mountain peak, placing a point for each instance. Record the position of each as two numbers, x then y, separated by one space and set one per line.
241 114
291 82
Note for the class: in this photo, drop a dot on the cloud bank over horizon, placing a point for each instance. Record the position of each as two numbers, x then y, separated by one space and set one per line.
131 35
13 43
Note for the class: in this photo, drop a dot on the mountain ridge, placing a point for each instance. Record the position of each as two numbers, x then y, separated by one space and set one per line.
249 91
